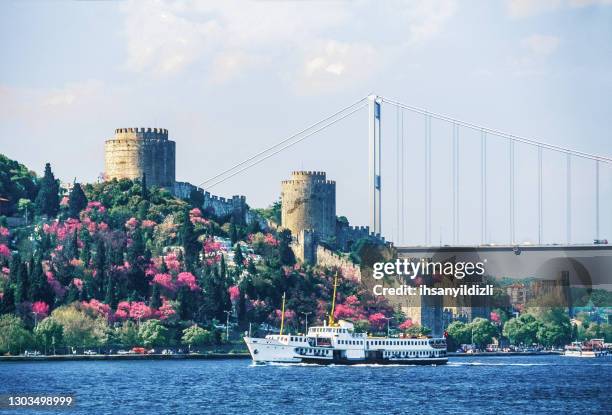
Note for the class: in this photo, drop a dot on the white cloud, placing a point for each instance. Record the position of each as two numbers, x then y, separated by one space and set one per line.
541 45
70 94
313 43
528 8
23 103
163 41
333 65
537 50
426 19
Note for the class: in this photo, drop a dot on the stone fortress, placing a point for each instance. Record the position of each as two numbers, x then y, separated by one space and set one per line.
136 152
309 212
309 202
308 198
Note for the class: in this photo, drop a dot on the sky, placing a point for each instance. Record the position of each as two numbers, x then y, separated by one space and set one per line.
228 79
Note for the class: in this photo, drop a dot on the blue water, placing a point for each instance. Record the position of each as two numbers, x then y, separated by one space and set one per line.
501 385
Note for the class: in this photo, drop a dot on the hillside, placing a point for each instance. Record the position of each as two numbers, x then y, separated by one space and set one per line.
113 256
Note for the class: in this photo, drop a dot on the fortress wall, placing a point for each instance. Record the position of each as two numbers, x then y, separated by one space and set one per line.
327 258
220 206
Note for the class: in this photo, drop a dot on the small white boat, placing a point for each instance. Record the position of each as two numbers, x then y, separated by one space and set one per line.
589 348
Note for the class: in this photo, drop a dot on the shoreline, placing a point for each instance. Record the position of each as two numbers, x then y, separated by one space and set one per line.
102 357
214 356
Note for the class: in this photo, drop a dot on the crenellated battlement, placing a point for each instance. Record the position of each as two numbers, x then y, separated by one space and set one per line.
301 173
141 133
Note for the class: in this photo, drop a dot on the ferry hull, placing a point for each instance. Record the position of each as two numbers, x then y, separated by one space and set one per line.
434 361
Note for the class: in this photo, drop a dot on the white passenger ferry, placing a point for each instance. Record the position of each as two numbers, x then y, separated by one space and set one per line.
338 343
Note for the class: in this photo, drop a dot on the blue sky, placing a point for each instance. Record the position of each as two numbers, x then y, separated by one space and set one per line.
230 78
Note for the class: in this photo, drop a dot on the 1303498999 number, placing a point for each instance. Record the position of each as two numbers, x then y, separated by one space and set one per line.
35 400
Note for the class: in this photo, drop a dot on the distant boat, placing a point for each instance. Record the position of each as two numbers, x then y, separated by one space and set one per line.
589 348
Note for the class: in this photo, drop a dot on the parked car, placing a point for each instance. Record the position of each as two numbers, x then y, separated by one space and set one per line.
167 351
123 352
90 352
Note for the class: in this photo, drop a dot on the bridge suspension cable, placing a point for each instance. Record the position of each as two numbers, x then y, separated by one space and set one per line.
499 133
289 142
327 121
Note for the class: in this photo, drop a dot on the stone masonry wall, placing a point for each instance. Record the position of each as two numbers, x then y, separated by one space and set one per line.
134 152
309 202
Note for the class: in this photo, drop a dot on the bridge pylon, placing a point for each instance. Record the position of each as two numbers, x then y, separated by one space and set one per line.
374 158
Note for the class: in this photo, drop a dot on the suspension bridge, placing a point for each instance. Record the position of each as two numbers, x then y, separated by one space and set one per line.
395 130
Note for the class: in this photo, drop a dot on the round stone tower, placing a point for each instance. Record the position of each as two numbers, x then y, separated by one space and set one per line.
137 151
309 202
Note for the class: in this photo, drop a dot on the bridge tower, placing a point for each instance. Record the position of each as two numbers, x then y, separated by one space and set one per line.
374 151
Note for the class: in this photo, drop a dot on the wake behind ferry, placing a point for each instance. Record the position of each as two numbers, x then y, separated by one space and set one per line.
338 343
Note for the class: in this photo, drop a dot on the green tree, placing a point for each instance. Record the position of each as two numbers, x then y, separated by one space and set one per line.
25 207
233 233
16 183
22 284
49 334
7 305
144 191
77 201
155 297
109 297
238 256
522 330
127 334
14 338
47 200
189 241
196 336
81 329
482 331
458 333
153 333
286 255
39 289
555 328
